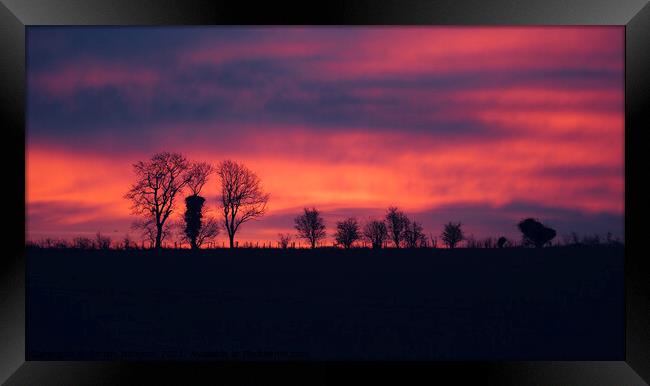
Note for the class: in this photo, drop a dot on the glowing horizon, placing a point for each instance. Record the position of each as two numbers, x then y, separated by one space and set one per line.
480 125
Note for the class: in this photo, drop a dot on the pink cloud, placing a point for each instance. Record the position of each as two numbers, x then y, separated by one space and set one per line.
531 140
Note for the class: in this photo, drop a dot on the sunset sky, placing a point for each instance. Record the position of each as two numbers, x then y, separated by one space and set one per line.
480 125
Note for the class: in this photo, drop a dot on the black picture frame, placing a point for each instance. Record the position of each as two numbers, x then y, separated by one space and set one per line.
15 15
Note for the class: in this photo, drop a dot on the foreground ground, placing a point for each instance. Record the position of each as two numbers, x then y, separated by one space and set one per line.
525 304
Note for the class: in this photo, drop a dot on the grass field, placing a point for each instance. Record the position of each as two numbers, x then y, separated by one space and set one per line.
270 304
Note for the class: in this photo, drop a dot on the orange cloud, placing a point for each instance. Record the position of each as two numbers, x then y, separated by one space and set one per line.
350 121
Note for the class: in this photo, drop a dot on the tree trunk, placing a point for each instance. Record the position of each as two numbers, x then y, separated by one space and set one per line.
158 236
231 237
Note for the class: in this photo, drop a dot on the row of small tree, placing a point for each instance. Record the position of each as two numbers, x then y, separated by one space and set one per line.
395 227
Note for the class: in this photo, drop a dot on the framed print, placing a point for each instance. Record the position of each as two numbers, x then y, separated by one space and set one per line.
432 189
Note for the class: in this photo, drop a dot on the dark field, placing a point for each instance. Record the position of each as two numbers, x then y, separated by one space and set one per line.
464 304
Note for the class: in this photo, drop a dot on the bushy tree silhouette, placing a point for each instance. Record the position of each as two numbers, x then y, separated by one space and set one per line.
396 222
535 233
284 239
502 242
347 232
310 226
414 235
193 215
376 232
242 198
198 173
452 234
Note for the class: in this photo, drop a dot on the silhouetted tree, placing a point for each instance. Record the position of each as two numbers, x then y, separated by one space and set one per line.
310 226
347 232
488 242
471 242
535 233
434 241
102 242
149 231
197 177
82 243
208 231
193 219
241 199
57 243
452 234
127 243
159 180
376 232
414 236
284 239
396 222
501 243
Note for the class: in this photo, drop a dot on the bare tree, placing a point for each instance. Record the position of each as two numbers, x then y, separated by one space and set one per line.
452 234
489 242
127 243
208 231
102 242
82 242
241 199
60 243
376 232
434 241
284 240
149 231
397 222
471 242
159 180
414 236
310 226
197 176
347 232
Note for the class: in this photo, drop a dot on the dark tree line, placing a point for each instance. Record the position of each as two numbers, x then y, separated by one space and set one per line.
396 226
162 179
401 231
